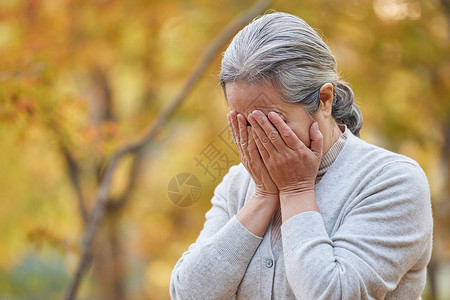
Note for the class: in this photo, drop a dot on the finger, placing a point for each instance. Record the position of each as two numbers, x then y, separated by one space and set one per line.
230 124
316 139
252 149
262 150
235 131
286 133
242 123
269 137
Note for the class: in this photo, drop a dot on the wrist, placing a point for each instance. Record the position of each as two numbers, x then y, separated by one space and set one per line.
296 202
267 195
257 212
297 195
268 200
298 189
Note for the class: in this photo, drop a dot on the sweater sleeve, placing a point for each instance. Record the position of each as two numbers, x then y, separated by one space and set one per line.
382 236
213 267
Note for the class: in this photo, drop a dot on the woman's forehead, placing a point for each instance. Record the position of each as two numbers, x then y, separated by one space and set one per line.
248 97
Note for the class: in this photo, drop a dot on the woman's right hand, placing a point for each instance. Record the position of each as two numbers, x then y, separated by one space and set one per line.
250 157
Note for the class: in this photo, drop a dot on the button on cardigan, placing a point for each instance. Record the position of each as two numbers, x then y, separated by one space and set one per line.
371 240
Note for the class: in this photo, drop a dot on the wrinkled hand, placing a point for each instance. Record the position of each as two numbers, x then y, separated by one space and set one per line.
250 156
291 164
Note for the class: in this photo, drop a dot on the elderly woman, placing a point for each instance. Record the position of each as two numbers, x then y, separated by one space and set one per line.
312 211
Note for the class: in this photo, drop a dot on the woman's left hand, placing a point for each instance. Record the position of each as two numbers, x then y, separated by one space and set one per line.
291 164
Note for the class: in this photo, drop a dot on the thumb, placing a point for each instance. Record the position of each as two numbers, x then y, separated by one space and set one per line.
316 139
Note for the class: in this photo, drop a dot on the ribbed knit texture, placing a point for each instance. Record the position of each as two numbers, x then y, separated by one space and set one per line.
327 160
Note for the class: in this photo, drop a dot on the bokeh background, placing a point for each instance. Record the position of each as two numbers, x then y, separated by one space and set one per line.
79 79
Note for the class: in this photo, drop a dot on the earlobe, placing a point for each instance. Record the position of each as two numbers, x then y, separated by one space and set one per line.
326 99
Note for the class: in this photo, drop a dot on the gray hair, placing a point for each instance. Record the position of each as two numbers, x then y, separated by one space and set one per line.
283 49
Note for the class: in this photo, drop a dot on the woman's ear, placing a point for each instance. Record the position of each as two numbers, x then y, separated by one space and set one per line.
326 99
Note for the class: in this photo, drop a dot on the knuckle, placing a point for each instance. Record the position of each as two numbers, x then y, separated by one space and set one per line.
251 152
301 154
286 134
274 136
265 140
280 160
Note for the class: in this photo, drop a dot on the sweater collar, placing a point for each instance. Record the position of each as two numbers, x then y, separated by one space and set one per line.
331 155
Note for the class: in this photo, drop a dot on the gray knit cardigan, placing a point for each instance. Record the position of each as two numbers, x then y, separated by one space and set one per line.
371 240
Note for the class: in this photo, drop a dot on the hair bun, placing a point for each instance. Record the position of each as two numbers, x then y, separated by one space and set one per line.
344 109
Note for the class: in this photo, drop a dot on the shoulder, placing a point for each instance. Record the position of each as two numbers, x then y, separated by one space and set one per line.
388 181
374 160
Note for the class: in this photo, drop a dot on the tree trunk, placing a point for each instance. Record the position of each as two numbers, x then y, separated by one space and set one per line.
108 268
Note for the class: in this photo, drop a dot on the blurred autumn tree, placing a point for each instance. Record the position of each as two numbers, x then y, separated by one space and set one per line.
79 79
